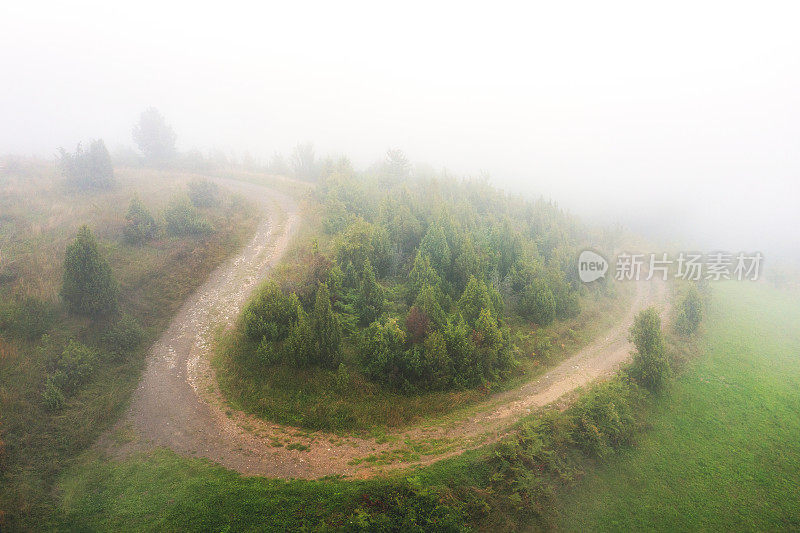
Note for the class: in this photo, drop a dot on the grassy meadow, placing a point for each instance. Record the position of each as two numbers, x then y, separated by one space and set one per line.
39 217
723 449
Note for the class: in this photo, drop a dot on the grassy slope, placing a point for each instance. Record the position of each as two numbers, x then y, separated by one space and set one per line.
154 281
723 452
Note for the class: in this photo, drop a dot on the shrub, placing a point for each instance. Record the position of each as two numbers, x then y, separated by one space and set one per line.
270 315
342 379
689 312
28 318
204 193
125 336
183 219
417 324
537 303
88 287
604 418
140 226
650 367
268 353
73 366
68 370
402 507
53 396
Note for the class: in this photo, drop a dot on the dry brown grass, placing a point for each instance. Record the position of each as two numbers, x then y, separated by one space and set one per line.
39 216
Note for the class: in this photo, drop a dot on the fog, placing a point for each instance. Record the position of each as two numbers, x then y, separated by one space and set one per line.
681 120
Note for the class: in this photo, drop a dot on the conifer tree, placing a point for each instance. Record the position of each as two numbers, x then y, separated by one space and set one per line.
88 287
474 299
371 296
140 226
326 328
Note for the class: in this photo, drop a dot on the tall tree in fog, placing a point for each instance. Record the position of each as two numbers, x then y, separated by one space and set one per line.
155 138
397 165
90 169
304 162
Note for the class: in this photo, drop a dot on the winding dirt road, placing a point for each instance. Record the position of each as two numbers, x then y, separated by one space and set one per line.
178 405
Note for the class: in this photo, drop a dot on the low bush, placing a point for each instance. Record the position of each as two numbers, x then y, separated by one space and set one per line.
183 219
604 419
541 455
123 337
72 366
204 193
53 396
402 507
270 315
140 226
28 318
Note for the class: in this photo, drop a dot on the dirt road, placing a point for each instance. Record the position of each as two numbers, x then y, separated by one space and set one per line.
177 403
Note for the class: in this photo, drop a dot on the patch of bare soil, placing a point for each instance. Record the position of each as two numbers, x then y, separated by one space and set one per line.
178 404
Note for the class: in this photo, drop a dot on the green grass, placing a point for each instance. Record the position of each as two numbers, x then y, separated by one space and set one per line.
164 492
723 452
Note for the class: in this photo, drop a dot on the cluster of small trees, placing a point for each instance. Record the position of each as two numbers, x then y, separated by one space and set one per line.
285 333
181 217
88 169
422 275
90 290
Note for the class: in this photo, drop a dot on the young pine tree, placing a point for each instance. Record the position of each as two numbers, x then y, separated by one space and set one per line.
327 330
88 287
371 297
140 226
475 299
422 274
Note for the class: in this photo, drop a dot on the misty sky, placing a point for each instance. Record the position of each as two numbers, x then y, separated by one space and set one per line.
682 116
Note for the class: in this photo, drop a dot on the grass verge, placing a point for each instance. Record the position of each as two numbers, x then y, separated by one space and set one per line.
722 452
